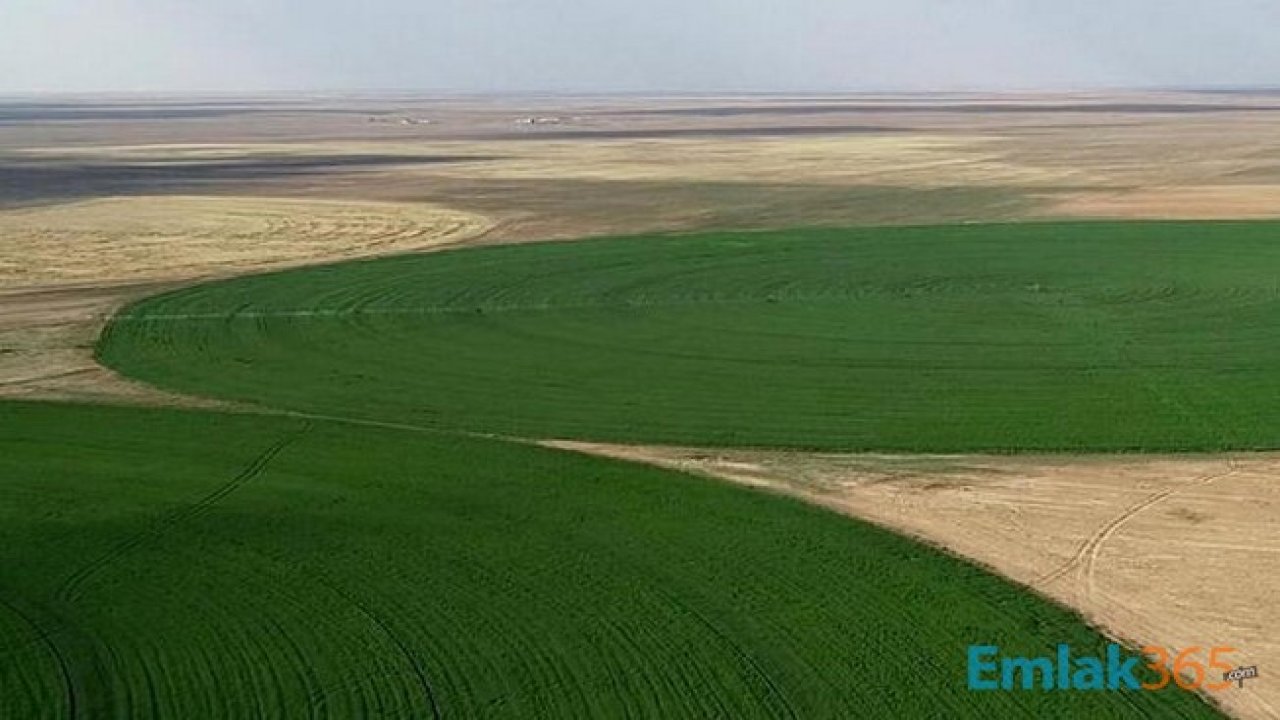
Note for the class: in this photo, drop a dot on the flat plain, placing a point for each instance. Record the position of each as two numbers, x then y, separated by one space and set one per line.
173 179
1179 548
598 166
165 563
1069 337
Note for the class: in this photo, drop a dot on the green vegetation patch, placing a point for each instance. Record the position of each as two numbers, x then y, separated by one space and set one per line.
158 563
1035 337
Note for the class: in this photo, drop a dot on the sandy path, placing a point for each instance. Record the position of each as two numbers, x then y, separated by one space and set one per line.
1155 550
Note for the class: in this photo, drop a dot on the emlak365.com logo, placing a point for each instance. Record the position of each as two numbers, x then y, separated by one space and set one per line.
1116 669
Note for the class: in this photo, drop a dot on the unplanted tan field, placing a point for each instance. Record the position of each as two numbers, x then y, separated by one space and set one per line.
908 160
1217 165
1184 203
904 159
150 238
1171 551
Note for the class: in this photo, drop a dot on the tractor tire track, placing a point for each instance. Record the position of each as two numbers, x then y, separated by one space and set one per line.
1100 535
420 673
785 708
1091 561
70 694
72 585
1086 556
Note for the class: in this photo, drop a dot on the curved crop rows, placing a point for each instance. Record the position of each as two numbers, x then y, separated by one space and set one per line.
358 556
275 567
1081 337
150 237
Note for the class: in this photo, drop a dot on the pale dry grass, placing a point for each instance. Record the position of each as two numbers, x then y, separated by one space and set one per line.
1110 166
1198 202
1155 550
151 238
904 160
1116 163
900 159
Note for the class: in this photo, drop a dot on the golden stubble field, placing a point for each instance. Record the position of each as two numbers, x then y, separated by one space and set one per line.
1175 551
125 239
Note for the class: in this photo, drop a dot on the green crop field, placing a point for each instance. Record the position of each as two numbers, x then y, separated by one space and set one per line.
374 543
161 563
1076 337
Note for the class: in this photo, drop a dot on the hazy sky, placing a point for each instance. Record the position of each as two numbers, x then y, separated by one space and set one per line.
625 45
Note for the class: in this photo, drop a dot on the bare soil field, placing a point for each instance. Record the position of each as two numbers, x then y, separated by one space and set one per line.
1171 551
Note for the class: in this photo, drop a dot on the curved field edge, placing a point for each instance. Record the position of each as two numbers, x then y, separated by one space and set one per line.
149 238
1041 337
193 564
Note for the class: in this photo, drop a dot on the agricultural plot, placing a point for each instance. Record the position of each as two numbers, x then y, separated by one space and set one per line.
361 550
1073 337
178 237
296 567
